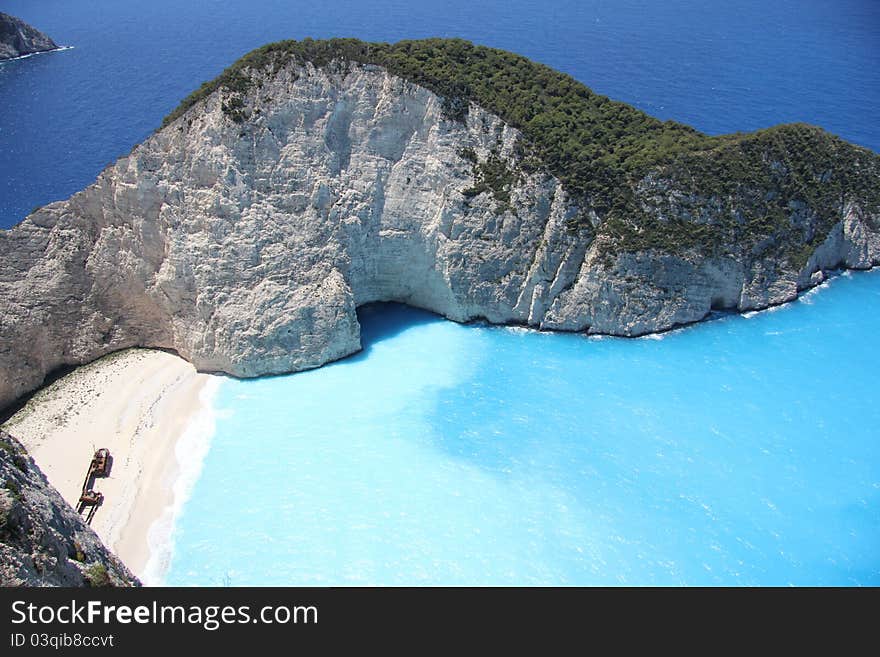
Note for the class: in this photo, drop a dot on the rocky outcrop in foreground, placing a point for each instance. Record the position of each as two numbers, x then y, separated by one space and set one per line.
245 233
44 542
17 38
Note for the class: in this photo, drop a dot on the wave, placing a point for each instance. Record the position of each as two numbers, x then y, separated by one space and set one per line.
190 450
41 52
520 329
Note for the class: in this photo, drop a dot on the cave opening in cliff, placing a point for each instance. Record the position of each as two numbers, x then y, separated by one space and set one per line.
718 304
383 320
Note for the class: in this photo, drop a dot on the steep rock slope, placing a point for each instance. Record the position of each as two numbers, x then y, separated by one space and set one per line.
310 179
17 38
43 542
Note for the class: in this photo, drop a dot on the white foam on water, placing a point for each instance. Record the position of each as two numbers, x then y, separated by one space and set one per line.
765 311
31 54
520 329
807 297
191 450
803 297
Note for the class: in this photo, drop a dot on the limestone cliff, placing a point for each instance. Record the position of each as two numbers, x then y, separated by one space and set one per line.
43 542
245 232
17 38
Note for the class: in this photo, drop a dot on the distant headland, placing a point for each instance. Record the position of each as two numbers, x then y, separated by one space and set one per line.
18 39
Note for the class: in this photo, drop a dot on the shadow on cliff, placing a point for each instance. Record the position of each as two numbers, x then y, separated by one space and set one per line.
384 320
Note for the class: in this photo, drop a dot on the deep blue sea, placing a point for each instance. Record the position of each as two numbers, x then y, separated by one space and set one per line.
742 451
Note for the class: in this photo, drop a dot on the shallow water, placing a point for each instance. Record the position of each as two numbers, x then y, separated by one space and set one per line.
740 451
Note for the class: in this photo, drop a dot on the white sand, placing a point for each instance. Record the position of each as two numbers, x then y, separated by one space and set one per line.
137 403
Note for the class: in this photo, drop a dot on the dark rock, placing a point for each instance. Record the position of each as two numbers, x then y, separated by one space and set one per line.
43 541
17 38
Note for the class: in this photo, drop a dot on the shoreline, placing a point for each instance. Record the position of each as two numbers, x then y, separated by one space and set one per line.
830 275
155 413
190 450
38 52
140 404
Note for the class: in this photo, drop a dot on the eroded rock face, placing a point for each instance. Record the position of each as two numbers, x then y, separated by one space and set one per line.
43 542
17 38
247 246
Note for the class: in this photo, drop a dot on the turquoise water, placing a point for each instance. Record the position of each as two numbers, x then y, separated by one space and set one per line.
740 451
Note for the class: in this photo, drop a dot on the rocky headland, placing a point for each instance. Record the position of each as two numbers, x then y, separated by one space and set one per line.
312 177
17 38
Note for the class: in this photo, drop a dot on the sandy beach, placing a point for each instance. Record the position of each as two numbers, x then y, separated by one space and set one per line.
138 404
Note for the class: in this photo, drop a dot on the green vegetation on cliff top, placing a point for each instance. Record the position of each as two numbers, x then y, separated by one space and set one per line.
582 137
602 150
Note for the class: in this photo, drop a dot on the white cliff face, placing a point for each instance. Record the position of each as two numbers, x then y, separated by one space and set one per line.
247 247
